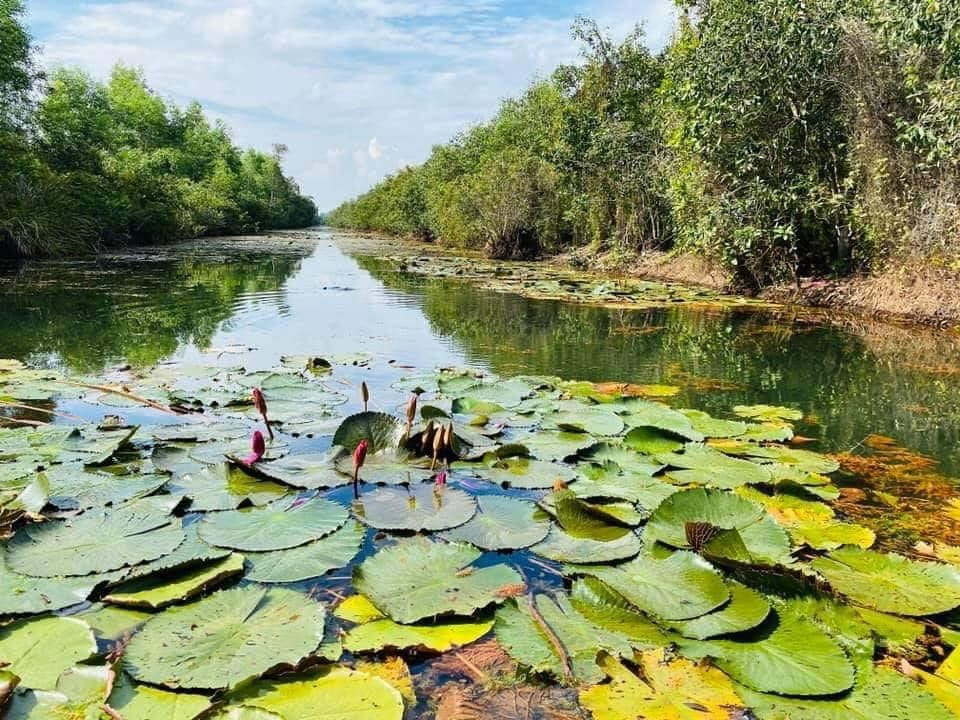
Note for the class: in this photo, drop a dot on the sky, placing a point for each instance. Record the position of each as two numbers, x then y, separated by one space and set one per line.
355 88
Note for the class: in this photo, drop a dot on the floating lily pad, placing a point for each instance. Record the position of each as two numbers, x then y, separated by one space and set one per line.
502 523
669 688
227 638
701 465
768 413
506 393
332 694
420 507
113 623
799 460
22 594
380 430
388 467
607 481
79 690
313 471
285 523
712 427
627 459
714 511
552 446
142 702
891 583
584 419
745 611
526 474
560 546
679 587
96 541
609 610
38 651
191 553
419 578
307 561
639 413
581 520
795 658
223 487
73 487
156 592
382 634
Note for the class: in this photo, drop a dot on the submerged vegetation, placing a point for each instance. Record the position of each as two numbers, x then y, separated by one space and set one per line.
554 547
85 164
781 138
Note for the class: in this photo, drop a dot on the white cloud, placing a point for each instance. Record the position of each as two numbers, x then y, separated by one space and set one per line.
355 88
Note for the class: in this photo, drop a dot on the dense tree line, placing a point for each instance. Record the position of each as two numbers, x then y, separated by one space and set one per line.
782 137
85 163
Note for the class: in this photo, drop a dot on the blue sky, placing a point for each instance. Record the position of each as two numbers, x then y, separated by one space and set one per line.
356 89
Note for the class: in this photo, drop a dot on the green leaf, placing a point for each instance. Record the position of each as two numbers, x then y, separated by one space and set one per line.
384 633
388 467
652 441
502 523
312 471
142 702
157 591
525 474
712 427
560 546
768 413
224 487
80 691
418 578
678 587
627 459
74 487
380 430
96 541
607 481
702 465
284 523
584 419
307 561
746 610
227 638
332 694
420 507
581 520
891 583
549 446
38 651
22 595
609 610
765 541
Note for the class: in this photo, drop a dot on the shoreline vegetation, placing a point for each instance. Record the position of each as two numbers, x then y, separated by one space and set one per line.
86 165
797 151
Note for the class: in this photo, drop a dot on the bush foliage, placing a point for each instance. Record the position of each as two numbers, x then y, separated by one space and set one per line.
85 163
780 137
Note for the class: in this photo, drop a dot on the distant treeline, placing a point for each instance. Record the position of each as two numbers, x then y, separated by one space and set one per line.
85 164
781 137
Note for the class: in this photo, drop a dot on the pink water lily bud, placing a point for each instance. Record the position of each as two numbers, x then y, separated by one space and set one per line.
441 478
359 455
260 403
258 447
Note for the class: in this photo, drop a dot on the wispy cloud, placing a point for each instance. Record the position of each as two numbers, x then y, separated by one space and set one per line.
355 88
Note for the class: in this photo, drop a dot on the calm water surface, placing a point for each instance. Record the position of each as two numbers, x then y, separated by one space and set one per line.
301 293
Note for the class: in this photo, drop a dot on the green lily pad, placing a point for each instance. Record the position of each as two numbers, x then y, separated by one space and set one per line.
38 651
609 610
638 413
581 520
525 474
745 611
313 471
712 427
652 441
584 419
419 578
23 595
380 430
420 507
307 561
891 583
384 633
79 690
332 694
523 636
606 481
502 523
113 623
717 510
626 458
227 638
156 592
795 658
768 413
142 702
96 541
560 546
505 393
679 587
224 487
191 553
802 461
550 446
388 467
284 523
73 487
701 465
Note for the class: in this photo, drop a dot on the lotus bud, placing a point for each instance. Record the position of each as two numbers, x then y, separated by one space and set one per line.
559 485
359 455
448 437
364 395
412 409
437 445
426 439
260 403
441 478
258 447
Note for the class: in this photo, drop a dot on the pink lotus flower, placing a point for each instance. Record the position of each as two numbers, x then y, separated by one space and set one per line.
441 478
258 448
260 403
359 455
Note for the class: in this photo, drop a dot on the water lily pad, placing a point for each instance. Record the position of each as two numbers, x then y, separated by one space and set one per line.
891 583
502 523
560 546
802 461
714 511
73 487
285 523
22 595
380 430
584 419
38 651
142 702
534 639
388 467
227 638
639 413
332 694
712 427
312 471
357 609
526 474
606 481
223 487
580 519
652 441
609 610
112 623
679 587
419 578
626 458
96 541
191 553
669 688
384 633
506 393
156 591
307 561
745 611
795 658
79 690
551 446
701 465
768 413
420 507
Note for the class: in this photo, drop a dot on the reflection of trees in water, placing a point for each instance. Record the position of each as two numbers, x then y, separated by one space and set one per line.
843 380
88 314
